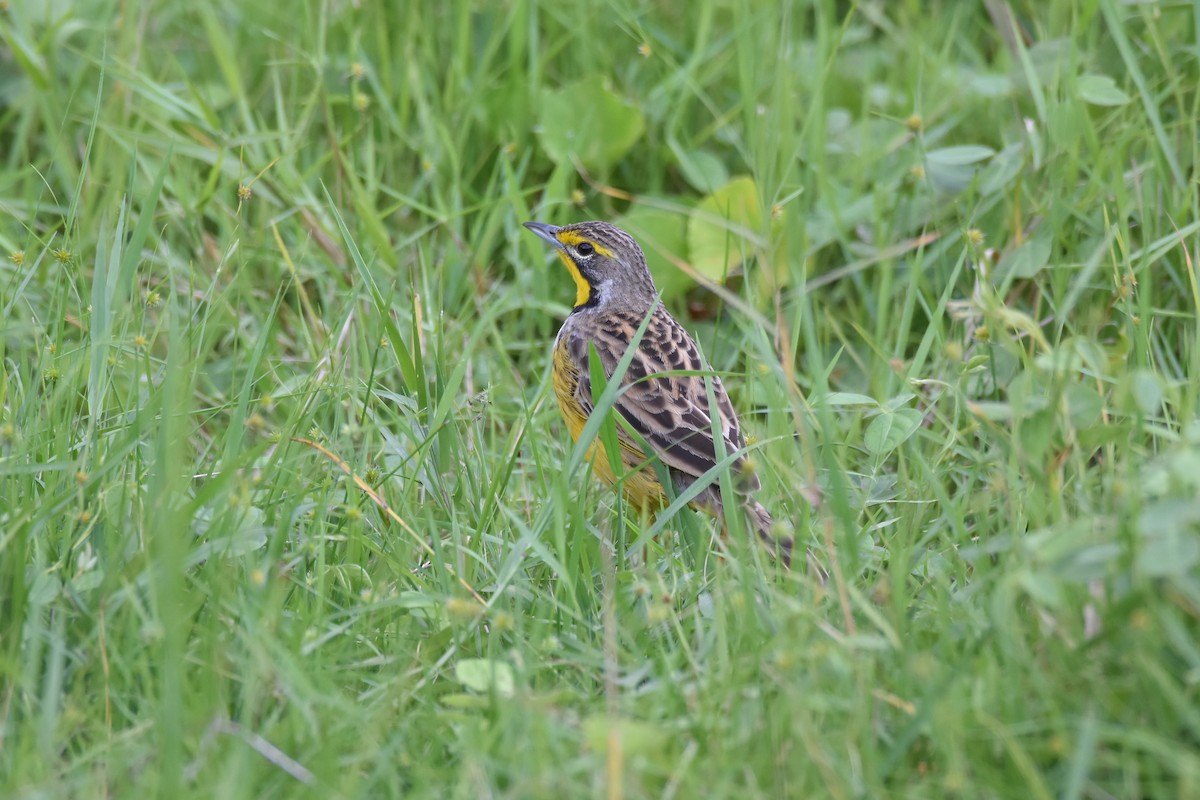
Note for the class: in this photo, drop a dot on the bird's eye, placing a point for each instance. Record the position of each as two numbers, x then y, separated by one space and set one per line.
585 248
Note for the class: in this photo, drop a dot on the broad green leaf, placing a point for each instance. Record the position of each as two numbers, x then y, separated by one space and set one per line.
635 738
1042 586
44 589
587 121
237 532
898 402
1091 353
663 237
1147 390
1170 544
889 430
991 409
462 700
486 675
87 581
951 169
1002 170
1090 562
829 222
721 226
1038 433
844 399
960 155
700 168
1025 261
1084 405
1100 90
987 85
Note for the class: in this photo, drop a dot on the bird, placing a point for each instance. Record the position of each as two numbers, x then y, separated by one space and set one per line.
669 412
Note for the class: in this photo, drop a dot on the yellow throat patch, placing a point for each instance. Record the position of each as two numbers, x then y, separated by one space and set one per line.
583 289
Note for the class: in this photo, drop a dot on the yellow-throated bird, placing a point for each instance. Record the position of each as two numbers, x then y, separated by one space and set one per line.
614 294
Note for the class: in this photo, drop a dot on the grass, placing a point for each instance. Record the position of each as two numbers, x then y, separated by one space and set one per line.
285 509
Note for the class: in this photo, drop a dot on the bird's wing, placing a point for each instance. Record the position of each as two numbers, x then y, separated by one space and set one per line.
670 412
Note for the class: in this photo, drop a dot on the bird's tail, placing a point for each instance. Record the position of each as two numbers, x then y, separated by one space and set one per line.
781 544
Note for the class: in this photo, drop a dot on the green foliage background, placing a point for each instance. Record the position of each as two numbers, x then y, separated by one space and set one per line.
285 509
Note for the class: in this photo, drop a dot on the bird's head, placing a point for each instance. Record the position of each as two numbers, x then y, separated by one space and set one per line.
607 265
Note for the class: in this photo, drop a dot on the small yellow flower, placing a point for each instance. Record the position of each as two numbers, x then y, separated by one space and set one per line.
510 149
63 255
924 666
459 607
353 514
784 661
578 197
914 123
85 516
244 192
954 781
982 334
917 172
373 476
258 577
975 237
17 257
256 422
656 614
776 211
357 71
362 101
140 342
81 477
153 298
644 50
314 433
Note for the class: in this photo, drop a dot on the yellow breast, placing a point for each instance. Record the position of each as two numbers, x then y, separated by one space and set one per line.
639 482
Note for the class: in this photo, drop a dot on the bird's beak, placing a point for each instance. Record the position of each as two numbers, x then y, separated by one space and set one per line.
547 232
